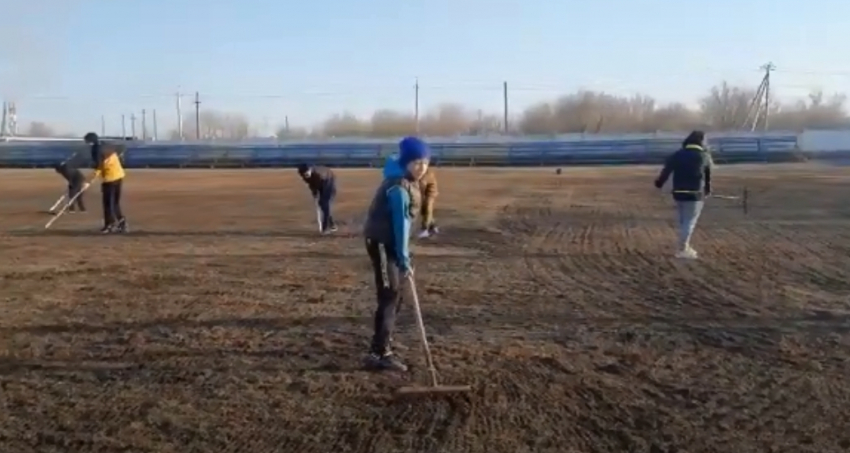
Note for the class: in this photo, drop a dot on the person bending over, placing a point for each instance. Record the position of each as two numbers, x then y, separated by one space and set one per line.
76 181
322 184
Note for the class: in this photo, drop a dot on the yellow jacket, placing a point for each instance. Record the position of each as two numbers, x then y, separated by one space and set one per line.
110 168
428 185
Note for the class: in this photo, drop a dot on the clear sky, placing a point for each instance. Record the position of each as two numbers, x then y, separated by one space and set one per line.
68 62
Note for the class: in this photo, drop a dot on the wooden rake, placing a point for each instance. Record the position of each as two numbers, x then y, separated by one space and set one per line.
435 389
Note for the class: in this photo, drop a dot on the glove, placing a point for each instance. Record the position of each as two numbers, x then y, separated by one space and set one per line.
86 186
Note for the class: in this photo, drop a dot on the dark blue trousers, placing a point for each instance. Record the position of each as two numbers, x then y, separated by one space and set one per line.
326 198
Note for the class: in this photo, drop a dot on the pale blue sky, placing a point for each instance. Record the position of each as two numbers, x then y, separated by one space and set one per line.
69 62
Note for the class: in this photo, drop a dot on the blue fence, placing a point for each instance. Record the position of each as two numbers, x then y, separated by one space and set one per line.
516 152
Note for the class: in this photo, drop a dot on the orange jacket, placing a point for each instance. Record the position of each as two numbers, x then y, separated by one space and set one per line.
428 185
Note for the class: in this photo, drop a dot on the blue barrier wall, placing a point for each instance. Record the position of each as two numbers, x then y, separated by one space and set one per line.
589 150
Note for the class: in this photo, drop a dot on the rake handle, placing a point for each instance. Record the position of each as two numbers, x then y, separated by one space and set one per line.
64 208
417 311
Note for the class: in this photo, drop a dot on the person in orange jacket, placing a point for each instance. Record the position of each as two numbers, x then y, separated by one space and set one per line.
107 166
428 191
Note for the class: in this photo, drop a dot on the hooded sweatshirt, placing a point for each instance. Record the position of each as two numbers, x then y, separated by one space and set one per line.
392 211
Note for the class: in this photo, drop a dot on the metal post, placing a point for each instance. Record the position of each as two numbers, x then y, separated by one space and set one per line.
155 135
505 106
416 105
179 115
197 116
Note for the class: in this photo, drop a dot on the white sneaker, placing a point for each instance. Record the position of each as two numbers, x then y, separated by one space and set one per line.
424 234
688 254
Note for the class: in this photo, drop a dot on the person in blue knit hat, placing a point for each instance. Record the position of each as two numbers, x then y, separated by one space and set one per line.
387 232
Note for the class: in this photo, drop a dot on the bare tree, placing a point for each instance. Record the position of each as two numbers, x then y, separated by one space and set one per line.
40 129
388 123
724 107
291 133
345 125
818 112
215 125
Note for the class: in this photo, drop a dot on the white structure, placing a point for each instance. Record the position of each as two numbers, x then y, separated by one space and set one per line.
9 120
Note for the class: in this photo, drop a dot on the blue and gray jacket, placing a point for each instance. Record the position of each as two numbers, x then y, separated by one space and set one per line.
392 212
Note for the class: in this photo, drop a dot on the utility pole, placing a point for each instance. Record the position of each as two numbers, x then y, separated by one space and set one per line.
179 115
416 105
144 125
759 109
505 106
197 116
102 125
123 127
155 135
767 68
133 125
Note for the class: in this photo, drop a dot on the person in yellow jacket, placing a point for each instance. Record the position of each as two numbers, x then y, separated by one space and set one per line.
106 162
428 191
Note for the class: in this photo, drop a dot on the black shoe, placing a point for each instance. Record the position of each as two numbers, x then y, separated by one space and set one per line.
386 362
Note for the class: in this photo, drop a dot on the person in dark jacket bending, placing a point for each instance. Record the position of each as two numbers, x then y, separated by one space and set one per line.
387 233
690 167
76 180
322 184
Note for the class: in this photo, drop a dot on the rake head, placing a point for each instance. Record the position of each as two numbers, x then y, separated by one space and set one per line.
431 391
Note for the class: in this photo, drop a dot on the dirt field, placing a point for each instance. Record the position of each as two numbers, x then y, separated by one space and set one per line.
224 323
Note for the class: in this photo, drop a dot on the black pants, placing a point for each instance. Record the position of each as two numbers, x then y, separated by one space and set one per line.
111 192
73 190
325 200
388 283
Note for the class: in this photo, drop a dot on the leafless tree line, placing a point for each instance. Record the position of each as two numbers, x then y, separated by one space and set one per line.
724 107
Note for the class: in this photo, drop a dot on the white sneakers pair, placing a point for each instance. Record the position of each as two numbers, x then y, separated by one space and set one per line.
424 234
688 253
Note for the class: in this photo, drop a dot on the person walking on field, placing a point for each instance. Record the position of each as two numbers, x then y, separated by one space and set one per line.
428 192
690 167
107 166
387 233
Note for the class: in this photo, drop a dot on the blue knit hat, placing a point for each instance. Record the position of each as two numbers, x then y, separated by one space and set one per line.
412 148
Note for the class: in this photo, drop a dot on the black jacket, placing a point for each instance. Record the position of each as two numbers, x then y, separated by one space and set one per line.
691 170
322 182
71 173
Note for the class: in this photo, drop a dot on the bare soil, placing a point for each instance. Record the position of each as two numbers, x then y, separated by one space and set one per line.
224 323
